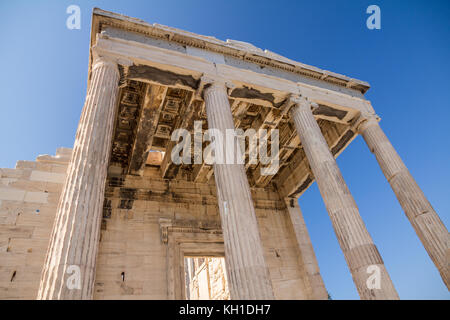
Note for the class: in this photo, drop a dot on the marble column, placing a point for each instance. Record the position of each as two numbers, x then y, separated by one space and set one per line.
366 265
425 221
69 268
246 269
313 279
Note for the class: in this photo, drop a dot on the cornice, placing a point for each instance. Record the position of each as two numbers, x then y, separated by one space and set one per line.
237 49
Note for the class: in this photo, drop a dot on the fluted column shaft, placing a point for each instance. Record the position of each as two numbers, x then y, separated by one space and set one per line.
74 241
354 239
314 282
248 275
425 221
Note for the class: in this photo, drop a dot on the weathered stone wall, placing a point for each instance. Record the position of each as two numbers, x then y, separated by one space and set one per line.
29 196
132 261
131 242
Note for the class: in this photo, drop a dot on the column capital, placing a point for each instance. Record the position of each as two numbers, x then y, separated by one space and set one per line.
364 121
213 82
301 101
101 58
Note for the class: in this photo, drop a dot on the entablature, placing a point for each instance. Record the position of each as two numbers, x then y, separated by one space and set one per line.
163 72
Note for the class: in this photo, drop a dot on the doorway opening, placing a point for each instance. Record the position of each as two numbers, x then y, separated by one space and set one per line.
206 278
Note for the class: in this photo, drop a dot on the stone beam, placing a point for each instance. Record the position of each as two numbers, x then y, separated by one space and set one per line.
151 109
202 172
239 108
286 149
296 177
185 121
218 51
269 119
288 140
170 61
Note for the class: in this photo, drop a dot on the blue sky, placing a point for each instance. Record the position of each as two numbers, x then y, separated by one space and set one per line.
407 63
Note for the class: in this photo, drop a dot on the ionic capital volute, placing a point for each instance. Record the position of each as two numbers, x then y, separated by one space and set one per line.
213 82
301 102
366 120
